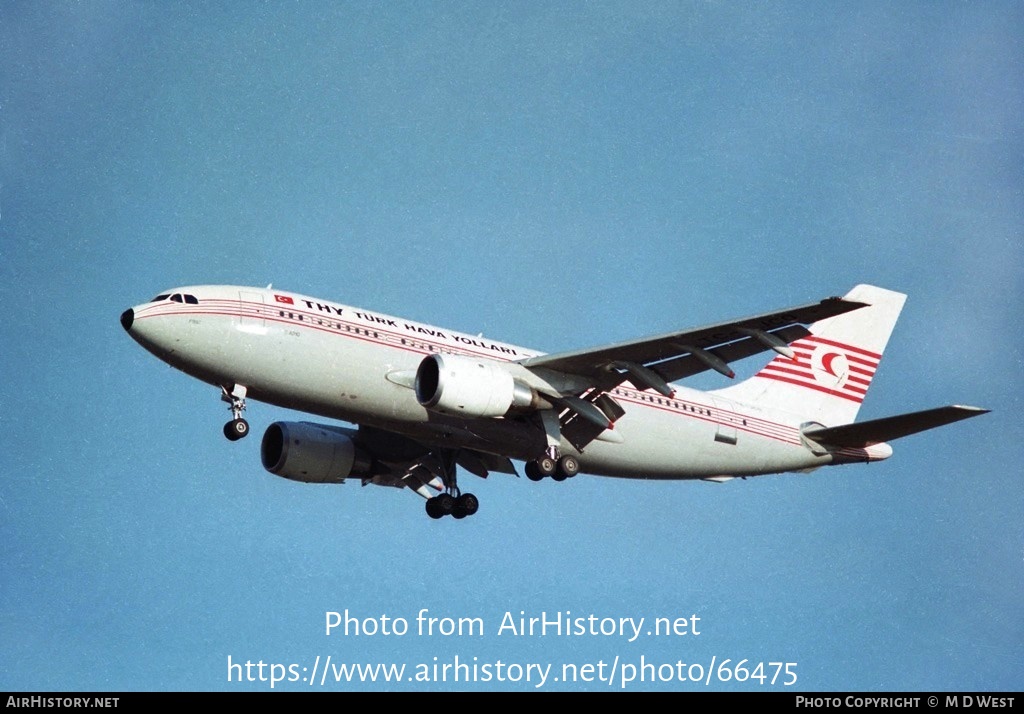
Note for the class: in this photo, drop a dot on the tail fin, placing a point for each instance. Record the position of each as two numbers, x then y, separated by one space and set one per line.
832 368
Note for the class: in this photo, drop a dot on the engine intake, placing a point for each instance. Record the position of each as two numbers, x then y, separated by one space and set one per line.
313 453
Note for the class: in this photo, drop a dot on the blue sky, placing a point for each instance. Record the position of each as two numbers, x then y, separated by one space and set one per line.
553 175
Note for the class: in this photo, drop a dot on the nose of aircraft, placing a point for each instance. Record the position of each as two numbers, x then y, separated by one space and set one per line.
127 318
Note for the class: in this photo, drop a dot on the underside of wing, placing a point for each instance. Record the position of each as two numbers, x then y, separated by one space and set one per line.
408 463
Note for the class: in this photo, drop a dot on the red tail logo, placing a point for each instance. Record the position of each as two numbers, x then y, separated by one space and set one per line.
826 366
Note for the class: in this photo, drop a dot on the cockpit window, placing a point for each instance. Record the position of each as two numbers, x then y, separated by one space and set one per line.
163 296
191 300
176 298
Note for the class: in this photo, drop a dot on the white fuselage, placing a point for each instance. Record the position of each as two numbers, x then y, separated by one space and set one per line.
357 366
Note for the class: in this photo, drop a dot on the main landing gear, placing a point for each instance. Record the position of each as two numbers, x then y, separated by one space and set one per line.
452 502
458 505
552 463
238 427
558 468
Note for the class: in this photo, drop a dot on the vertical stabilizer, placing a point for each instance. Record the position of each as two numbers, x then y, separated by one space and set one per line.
832 368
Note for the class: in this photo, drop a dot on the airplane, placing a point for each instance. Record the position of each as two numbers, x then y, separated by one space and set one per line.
426 400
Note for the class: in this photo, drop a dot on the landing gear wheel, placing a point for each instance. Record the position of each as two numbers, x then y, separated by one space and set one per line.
546 466
451 501
457 507
432 509
236 429
532 472
445 503
467 504
568 466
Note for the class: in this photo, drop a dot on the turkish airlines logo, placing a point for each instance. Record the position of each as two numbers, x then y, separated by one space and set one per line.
828 363
826 366
284 298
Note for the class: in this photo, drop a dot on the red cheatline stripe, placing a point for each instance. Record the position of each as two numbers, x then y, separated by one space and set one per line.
814 338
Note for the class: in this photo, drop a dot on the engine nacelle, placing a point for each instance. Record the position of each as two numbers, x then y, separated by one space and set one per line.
472 387
313 453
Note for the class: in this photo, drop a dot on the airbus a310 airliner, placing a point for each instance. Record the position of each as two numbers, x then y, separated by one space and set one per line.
427 399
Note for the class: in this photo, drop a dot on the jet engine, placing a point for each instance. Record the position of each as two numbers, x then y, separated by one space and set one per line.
472 387
313 453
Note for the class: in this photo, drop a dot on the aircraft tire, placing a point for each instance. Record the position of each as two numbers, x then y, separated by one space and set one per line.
432 510
467 503
546 466
569 466
236 429
532 472
445 503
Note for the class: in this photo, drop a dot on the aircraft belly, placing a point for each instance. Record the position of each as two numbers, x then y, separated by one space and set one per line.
661 445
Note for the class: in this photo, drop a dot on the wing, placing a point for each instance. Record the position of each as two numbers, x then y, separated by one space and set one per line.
653 362
402 462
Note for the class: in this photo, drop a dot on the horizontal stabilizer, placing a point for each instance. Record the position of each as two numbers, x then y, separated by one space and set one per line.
877 431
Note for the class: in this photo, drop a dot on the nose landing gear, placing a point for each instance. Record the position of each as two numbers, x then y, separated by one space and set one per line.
238 427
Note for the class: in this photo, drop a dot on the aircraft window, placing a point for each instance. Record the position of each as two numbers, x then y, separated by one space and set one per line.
191 300
163 296
176 298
